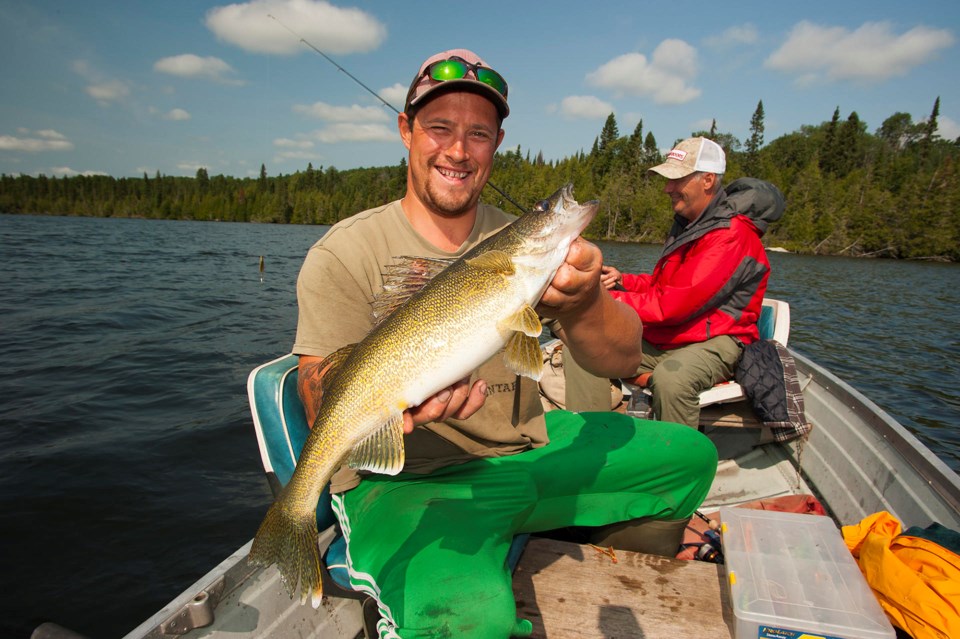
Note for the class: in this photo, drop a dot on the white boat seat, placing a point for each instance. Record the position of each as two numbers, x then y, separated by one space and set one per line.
281 427
774 324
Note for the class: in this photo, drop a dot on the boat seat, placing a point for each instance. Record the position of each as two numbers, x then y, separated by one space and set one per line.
774 323
281 427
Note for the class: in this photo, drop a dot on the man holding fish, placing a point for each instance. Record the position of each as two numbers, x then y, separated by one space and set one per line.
430 430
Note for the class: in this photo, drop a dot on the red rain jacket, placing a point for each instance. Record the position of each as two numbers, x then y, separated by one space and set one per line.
712 275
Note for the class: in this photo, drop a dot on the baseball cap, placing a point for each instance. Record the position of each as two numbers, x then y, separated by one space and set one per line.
478 77
690 156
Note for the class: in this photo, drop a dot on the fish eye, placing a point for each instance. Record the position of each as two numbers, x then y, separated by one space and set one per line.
541 206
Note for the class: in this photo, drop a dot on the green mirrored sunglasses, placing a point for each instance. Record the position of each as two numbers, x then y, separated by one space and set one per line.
456 68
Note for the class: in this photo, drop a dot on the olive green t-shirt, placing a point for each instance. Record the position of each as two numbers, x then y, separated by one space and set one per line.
339 279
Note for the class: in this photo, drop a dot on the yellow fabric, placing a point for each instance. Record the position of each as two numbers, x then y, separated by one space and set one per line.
916 581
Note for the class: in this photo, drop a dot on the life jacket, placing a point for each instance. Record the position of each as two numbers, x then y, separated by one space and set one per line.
915 575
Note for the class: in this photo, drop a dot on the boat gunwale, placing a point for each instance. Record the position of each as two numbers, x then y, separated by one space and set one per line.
939 476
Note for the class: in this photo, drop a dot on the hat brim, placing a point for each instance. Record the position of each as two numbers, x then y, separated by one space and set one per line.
464 84
671 171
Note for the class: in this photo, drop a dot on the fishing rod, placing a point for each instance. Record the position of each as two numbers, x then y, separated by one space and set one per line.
375 94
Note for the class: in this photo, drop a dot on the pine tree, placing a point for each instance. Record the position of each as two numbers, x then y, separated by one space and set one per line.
606 147
755 141
633 152
828 150
848 146
929 132
651 153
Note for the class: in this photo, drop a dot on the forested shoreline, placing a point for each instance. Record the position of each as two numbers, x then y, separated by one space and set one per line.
891 193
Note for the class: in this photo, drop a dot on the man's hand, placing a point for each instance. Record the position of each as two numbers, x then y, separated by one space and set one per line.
576 284
610 277
603 335
459 401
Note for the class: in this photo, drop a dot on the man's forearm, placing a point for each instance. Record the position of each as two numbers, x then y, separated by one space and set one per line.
605 338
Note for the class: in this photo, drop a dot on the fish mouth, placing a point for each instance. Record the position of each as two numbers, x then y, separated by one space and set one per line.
563 204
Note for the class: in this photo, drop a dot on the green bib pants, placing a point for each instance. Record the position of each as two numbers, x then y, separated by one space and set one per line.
431 549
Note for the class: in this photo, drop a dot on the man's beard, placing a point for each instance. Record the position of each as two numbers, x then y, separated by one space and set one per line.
446 204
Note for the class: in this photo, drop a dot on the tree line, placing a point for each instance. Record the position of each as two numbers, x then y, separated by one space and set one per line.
891 193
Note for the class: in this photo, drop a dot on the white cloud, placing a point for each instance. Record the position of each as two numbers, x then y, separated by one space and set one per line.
947 128
35 141
66 171
299 150
331 113
736 35
334 29
103 90
288 156
192 167
176 115
586 107
395 95
665 77
107 92
189 65
287 143
873 52
353 132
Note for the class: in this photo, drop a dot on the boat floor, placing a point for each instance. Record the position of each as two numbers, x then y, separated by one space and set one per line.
573 591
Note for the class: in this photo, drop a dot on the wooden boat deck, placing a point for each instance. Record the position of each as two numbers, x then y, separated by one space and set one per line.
569 591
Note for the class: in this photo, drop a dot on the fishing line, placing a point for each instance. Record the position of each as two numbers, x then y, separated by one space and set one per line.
375 94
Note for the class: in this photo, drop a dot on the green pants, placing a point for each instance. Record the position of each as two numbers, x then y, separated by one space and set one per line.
432 548
681 374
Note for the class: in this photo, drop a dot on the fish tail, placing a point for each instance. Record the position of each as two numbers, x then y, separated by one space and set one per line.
288 538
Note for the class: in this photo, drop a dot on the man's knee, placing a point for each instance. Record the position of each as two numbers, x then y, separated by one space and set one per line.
674 390
664 383
485 616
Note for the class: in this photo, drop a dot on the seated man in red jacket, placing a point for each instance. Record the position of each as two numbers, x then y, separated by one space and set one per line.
701 304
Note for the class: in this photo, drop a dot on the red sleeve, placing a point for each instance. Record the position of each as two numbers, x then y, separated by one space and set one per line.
636 283
688 279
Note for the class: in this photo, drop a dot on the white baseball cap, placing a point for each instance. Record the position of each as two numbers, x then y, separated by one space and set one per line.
690 156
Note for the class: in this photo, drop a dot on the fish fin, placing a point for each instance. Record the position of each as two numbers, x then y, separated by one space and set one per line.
523 355
288 538
525 321
382 451
331 364
496 261
403 278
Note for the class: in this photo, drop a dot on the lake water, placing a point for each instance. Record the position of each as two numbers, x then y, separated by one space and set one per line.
129 462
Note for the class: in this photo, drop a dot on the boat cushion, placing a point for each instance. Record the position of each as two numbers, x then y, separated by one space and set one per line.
335 560
766 323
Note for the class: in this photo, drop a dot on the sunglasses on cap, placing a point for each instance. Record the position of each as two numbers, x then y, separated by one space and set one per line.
456 68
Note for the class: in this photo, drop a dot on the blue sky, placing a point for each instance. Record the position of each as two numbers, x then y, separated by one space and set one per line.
123 88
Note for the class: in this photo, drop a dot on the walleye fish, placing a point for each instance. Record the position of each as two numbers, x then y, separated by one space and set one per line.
462 317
